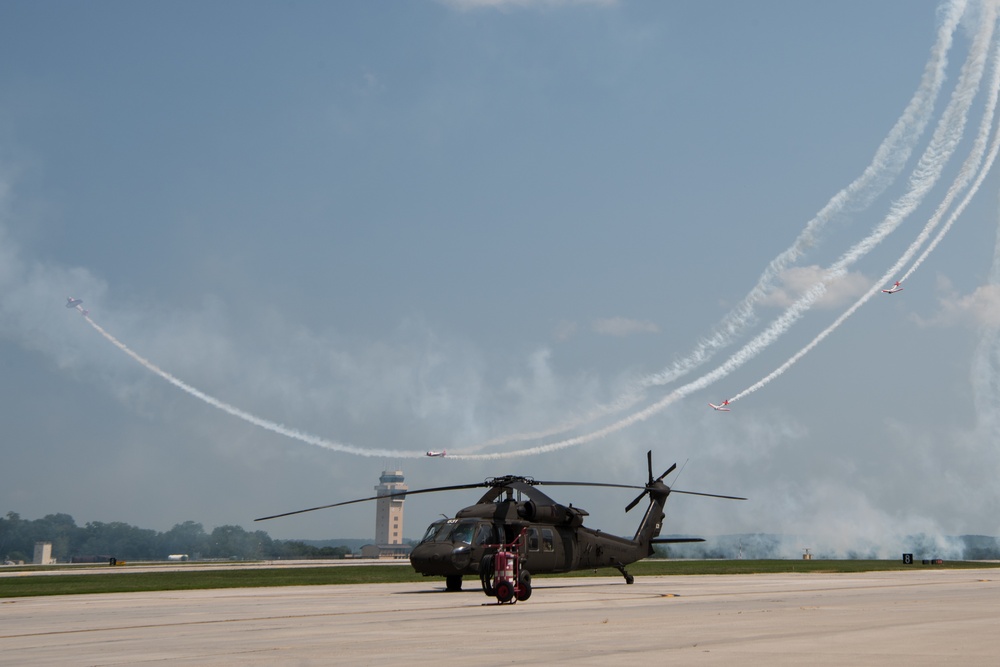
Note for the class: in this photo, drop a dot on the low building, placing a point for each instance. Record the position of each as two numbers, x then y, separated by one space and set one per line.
386 551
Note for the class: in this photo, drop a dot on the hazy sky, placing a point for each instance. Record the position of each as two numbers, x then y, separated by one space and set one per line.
402 226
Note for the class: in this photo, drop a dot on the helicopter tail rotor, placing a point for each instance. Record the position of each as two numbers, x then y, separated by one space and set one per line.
652 482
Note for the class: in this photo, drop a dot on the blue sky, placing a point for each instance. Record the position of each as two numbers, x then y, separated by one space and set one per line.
425 225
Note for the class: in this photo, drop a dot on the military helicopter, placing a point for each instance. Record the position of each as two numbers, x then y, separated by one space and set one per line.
554 537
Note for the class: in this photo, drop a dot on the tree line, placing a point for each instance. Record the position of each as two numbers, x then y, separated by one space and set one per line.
765 546
125 542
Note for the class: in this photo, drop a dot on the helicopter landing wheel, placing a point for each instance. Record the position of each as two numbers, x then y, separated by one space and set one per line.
453 583
629 579
504 590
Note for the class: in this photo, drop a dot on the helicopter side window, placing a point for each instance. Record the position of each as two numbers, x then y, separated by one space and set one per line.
533 539
484 534
548 542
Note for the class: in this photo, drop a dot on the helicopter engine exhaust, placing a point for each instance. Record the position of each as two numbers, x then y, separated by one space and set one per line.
551 514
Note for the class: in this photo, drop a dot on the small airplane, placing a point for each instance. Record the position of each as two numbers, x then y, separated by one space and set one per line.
75 303
892 290
443 452
720 408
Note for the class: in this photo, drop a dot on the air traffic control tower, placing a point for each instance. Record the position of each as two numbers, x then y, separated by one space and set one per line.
389 511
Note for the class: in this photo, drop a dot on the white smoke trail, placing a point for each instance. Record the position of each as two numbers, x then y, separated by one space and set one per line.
619 425
941 148
980 145
965 175
946 138
928 170
734 362
246 416
624 402
932 162
889 159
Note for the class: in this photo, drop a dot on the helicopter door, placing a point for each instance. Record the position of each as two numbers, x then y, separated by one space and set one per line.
542 555
485 535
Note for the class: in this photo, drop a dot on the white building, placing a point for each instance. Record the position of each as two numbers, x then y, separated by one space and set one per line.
43 554
389 511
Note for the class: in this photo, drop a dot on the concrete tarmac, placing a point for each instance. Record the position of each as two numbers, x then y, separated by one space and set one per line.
918 617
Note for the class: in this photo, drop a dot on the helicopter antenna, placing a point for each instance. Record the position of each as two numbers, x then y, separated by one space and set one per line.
682 469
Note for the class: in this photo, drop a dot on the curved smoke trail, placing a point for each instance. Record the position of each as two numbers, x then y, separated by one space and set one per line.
981 139
926 174
960 184
888 161
246 416
634 418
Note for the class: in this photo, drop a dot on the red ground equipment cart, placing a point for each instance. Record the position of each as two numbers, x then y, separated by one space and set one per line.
510 581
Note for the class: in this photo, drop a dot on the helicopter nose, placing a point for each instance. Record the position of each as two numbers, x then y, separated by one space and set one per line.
440 559
461 557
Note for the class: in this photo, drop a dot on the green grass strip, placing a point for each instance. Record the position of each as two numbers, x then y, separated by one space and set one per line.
28 583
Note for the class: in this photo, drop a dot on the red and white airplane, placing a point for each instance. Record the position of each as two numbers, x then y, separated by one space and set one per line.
895 288
443 452
721 408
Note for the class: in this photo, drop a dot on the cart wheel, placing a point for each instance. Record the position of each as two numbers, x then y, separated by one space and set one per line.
524 585
505 590
486 575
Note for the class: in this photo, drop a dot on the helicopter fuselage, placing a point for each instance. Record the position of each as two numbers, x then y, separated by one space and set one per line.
555 539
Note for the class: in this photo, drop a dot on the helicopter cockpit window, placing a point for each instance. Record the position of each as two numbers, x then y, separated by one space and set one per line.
463 532
432 530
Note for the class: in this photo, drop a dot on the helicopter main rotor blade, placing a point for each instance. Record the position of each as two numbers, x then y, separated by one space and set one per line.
401 494
613 486
710 495
675 540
